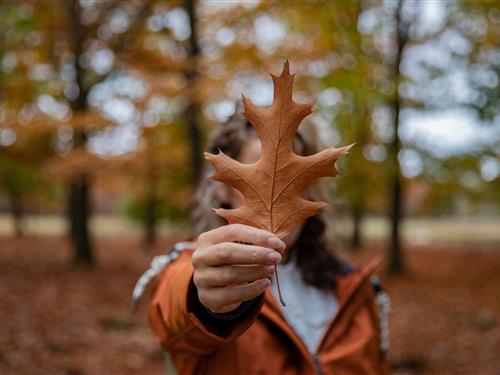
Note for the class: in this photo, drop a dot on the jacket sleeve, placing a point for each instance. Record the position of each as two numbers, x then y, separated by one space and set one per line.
180 322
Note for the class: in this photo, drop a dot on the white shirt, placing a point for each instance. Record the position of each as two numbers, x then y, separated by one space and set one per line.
308 310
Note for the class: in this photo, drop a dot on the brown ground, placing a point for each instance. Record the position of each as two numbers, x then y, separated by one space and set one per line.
60 319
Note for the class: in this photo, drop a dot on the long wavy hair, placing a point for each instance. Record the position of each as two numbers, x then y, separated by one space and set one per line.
315 258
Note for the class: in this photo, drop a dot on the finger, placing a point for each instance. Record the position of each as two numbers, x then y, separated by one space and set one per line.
231 275
243 233
230 253
231 295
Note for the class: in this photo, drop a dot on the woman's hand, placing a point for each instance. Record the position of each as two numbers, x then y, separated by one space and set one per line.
227 273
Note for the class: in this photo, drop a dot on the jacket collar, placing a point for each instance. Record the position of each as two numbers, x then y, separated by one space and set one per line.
347 286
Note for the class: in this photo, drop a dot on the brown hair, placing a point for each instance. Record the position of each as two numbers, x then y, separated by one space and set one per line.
315 259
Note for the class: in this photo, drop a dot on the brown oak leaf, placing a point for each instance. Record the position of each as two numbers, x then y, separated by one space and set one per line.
272 185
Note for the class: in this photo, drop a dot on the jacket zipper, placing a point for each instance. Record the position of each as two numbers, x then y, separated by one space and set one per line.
315 356
317 364
353 294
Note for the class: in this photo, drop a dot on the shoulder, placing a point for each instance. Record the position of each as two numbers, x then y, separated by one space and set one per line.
178 252
383 306
378 303
346 268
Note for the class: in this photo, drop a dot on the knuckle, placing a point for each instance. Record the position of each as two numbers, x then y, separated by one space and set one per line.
229 275
210 300
216 301
256 290
203 297
198 258
259 286
223 252
202 238
233 230
260 234
230 297
269 271
238 226
195 259
198 280
255 256
209 303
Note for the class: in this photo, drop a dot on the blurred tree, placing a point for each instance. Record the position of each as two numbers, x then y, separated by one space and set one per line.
26 135
79 189
478 23
169 118
479 172
463 43
395 251
20 175
160 181
352 101
83 31
452 78
192 111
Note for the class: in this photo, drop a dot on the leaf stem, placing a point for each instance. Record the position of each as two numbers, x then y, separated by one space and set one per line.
282 301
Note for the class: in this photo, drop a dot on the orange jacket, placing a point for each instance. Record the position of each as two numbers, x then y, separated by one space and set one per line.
262 342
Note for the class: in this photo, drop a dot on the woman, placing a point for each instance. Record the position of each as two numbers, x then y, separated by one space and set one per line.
214 309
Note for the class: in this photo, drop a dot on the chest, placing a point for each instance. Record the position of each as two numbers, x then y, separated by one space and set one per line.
309 310
272 347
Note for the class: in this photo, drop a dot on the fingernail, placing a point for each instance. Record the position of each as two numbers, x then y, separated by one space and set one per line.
275 242
267 282
274 257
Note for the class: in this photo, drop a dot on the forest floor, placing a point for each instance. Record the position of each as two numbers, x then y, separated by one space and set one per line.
56 318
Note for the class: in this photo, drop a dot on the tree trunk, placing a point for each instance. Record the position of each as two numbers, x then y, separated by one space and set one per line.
396 261
150 217
192 113
79 212
357 216
79 189
17 213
